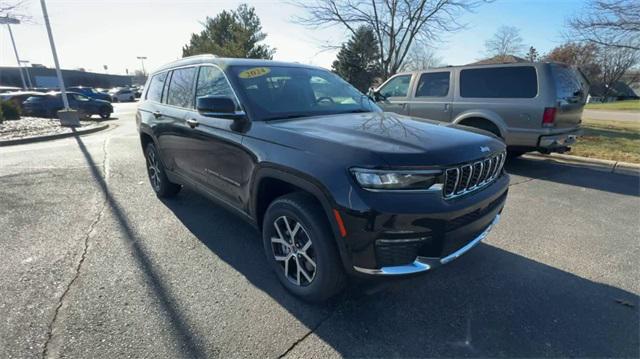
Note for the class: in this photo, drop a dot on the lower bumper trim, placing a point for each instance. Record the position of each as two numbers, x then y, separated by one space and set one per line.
423 264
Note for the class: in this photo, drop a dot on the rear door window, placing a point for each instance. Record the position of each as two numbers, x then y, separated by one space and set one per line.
180 88
155 87
396 87
433 84
499 82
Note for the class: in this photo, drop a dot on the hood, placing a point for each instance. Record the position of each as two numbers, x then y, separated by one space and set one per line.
398 140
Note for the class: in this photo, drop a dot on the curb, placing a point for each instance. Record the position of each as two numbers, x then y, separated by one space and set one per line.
34 139
618 167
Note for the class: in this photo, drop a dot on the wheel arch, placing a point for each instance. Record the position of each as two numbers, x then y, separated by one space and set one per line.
271 182
488 117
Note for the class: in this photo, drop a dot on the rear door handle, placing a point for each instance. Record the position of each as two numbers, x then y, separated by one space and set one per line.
446 107
192 123
157 114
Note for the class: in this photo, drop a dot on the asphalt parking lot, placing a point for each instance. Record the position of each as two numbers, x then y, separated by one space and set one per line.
94 265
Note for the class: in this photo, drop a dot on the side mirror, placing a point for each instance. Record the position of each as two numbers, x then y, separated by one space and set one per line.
218 106
376 96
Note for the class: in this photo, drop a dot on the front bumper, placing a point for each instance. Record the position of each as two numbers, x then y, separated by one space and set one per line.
423 264
418 232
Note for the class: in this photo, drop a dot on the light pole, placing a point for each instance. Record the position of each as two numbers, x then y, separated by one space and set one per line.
26 72
68 117
6 20
142 58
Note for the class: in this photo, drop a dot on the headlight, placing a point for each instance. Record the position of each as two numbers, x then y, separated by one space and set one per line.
398 180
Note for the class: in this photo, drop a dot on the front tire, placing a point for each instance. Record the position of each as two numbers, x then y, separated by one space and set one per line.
157 175
301 249
105 113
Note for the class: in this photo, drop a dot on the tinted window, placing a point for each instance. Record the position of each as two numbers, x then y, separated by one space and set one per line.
155 87
396 87
570 84
179 93
274 92
212 82
499 82
79 97
434 84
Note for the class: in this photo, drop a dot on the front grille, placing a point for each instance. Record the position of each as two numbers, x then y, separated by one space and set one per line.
472 176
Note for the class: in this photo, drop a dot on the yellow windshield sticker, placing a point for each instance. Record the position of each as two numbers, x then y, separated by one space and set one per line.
254 72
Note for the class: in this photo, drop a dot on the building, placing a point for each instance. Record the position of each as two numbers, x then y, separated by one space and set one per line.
46 77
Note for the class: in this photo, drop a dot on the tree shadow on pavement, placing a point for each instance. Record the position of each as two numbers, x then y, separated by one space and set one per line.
179 327
575 176
490 302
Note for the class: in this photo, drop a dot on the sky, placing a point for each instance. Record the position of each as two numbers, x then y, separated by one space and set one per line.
92 33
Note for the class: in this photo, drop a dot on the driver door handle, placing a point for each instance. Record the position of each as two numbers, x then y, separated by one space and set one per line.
157 114
193 123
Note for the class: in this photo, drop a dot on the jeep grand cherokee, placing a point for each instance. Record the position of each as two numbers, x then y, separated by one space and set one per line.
336 186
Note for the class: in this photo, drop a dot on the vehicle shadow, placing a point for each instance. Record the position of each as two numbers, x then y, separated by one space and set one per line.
490 302
574 176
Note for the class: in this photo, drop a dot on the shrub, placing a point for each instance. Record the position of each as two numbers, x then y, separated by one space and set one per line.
9 110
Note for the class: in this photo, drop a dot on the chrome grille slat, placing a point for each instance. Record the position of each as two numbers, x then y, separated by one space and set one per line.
469 177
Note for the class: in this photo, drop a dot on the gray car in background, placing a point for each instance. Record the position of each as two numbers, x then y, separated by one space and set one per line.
531 106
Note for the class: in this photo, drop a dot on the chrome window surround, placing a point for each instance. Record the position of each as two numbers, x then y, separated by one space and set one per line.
423 264
471 177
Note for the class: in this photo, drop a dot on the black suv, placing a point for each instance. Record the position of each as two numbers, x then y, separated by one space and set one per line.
336 186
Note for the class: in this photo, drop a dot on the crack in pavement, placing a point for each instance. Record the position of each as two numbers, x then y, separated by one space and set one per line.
313 330
92 226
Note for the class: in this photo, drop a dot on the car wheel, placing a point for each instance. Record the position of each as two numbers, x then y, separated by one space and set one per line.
157 176
105 113
115 99
300 247
132 99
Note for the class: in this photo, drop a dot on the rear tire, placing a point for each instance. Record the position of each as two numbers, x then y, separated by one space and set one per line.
157 175
308 263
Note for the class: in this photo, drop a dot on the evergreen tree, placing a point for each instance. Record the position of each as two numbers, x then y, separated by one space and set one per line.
358 59
234 33
532 55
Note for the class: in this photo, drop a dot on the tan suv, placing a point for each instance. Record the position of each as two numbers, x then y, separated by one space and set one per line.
531 106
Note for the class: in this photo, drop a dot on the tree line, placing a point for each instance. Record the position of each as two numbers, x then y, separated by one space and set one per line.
388 36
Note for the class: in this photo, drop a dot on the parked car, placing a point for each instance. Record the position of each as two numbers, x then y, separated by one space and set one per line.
137 90
18 97
90 92
336 186
531 106
48 105
122 95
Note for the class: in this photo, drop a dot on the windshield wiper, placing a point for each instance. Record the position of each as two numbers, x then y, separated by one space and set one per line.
285 117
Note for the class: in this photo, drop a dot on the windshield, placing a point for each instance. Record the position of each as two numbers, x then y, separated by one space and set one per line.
276 92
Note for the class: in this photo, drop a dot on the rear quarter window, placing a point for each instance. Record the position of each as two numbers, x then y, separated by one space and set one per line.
155 87
499 82
570 84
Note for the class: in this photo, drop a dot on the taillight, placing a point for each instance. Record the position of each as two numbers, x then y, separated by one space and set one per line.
549 117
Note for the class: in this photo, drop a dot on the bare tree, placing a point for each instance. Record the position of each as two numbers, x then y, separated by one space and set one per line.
420 58
397 24
614 63
506 41
608 22
13 9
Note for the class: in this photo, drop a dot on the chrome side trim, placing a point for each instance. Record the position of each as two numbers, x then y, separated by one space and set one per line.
423 264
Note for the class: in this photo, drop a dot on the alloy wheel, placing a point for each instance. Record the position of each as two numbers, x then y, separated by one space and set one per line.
154 170
293 251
